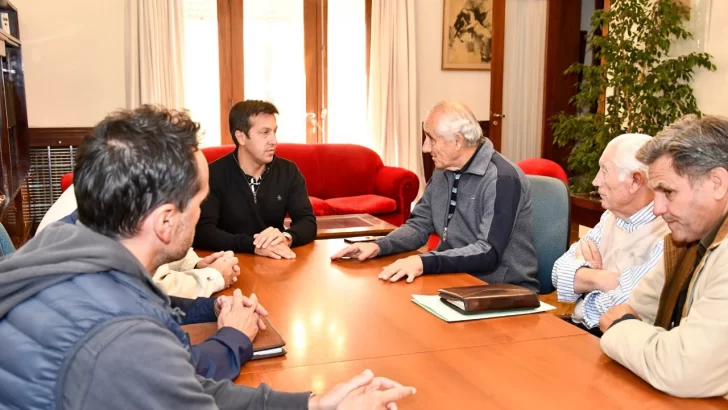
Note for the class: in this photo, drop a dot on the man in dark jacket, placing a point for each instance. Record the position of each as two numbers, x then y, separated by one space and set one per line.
252 190
221 355
82 324
477 201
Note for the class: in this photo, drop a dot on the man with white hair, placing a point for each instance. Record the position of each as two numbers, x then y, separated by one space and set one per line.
601 270
673 331
477 201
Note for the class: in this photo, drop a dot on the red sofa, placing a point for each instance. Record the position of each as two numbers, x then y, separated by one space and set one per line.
341 179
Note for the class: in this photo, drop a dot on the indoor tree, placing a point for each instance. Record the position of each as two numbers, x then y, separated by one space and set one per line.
638 87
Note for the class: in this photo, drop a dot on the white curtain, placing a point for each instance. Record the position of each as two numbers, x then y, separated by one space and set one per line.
525 53
392 104
154 53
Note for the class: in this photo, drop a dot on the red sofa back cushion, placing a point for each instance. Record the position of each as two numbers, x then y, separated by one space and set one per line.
334 170
330 170
212 154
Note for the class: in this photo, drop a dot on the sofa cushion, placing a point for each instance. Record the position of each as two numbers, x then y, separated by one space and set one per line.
320 207
334 170
66 181
362 204
212 154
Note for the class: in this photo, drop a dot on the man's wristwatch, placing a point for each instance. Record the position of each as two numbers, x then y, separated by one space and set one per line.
288 237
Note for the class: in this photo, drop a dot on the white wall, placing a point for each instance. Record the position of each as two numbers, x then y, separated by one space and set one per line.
73 58
434 84
711 88
74 62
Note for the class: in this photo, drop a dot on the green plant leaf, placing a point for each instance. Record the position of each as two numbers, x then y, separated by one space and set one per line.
643 87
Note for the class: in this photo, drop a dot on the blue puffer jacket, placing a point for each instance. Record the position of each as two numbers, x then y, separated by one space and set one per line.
79 316
58 291
222 354
74 310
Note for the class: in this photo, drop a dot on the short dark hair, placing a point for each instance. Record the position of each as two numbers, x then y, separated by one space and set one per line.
695 145
132 162
242 113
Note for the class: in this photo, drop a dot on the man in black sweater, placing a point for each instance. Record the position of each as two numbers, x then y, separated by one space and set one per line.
252 190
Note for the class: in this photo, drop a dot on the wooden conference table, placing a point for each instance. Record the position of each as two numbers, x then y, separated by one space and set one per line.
339 319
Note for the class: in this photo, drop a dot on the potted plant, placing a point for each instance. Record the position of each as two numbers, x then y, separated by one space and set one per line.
638 87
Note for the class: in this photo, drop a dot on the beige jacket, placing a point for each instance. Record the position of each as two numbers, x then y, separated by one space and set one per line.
178 278
689 360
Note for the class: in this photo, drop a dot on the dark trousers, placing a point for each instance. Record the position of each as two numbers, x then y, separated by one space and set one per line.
594 331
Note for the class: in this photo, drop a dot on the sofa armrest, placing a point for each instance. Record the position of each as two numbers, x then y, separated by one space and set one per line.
399 184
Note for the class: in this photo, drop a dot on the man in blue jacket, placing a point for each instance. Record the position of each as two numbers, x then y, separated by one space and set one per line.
82 324
477 201
222 354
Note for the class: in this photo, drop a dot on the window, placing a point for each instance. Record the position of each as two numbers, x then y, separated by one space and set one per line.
347 73
202 70
300 55
274 67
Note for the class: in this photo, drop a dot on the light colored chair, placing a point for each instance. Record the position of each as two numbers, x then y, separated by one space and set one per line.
551 215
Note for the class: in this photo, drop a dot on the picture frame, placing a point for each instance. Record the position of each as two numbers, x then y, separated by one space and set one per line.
467 34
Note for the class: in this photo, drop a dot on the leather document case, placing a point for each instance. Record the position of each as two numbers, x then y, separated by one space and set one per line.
268 342
483 298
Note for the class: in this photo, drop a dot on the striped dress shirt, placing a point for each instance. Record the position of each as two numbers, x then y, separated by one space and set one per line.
593 305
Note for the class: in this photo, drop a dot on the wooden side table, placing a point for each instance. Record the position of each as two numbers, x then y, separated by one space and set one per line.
585 210
348 226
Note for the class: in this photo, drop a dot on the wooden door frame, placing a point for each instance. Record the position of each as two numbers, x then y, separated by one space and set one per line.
315 30
232 64
232 79
496 73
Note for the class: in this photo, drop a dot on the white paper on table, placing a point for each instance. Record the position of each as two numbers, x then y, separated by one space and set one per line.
434 305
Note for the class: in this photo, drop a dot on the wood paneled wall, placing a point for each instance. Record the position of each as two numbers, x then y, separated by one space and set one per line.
562 49
57 137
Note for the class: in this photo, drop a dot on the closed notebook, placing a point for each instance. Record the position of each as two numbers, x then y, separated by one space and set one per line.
268 342
483 298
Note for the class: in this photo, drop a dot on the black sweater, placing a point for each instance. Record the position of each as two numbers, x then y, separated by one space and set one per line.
229 216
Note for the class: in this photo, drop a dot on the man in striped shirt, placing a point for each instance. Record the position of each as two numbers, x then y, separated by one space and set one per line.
602 269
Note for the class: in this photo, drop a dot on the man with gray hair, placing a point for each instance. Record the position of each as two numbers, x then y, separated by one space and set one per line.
602 269
477 201
673 332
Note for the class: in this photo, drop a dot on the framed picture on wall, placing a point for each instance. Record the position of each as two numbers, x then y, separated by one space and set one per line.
467 34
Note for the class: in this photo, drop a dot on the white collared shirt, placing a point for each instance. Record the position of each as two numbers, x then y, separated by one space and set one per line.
643 228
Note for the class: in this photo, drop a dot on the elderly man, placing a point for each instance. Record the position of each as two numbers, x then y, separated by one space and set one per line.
673 332
82 324
601 270
477 201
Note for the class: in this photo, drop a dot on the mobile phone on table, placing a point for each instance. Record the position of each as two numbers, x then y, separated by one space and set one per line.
362 239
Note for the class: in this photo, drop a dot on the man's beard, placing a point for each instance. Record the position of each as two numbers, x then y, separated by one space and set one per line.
176 250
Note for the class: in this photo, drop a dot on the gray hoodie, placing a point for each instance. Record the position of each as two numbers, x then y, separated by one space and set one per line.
132 363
